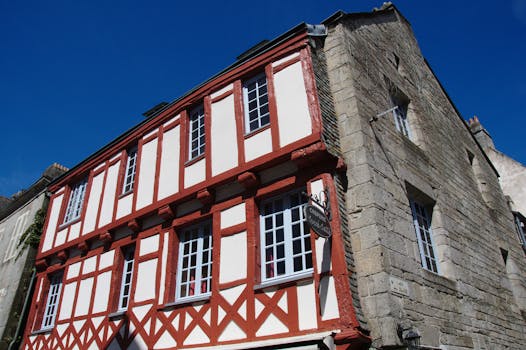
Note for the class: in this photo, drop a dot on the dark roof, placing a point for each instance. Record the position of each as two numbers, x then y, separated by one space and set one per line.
21 198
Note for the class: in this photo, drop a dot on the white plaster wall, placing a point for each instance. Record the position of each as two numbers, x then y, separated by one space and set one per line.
195 173
89 265
54 209
66 305
172 120
102 292
223 136
323 254
106 259
307 313
291 100
92 208
221 91
108 199
146 273
258 145
169 170
74 231
149 245
73 270
61 237
233 258
233 215
84 297
146 174
328 300
124 206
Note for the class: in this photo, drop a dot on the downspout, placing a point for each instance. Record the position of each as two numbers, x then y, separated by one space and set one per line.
23 315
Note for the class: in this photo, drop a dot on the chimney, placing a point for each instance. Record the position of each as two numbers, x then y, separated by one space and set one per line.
480 133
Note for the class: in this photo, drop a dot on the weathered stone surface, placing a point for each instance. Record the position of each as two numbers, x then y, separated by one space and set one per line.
473 301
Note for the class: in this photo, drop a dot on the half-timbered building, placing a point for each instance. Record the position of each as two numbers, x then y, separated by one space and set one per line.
189 231
323 192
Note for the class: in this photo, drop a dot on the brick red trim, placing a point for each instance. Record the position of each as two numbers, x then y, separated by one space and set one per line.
232 230
222 96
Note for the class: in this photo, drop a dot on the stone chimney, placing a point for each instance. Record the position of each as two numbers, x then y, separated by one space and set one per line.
480 133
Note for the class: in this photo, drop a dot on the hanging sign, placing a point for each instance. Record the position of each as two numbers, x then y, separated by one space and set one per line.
318 221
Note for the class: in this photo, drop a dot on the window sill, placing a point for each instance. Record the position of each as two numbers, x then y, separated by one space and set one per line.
194 160
257 131
285 279
43 331
117 314
69 223
127 193
186 301
439 280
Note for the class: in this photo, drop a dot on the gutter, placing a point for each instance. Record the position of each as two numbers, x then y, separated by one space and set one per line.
24 314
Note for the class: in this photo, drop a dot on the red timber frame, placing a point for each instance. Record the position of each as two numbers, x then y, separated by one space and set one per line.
304 152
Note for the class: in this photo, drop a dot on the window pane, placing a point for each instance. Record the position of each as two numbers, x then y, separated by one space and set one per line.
286 244
195 267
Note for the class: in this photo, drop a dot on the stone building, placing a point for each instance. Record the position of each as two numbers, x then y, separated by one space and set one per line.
17 259
512 177
321 193
432 237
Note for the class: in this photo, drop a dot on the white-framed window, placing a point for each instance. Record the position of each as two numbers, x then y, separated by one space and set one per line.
129 175
400 116
50 312
285 237
194 267
424 235
520 226
255 97
196 132
20 226
76 199
127 274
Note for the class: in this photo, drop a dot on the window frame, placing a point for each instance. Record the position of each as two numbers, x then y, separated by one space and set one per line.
424 235
130 173
400 115
54 291
196 117
288 239
128 265
519 228
21 225
259 107
186 236
75 203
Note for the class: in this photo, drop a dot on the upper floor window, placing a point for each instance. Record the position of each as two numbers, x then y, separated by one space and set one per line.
76 199
194 268
400 116
20 226
285 237
127 273
197 132
422 223
520 225
50 312
129 175
255 97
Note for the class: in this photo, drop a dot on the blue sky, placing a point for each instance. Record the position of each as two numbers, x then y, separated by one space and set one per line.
74 75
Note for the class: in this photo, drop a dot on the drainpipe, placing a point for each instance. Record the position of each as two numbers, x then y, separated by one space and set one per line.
23 314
